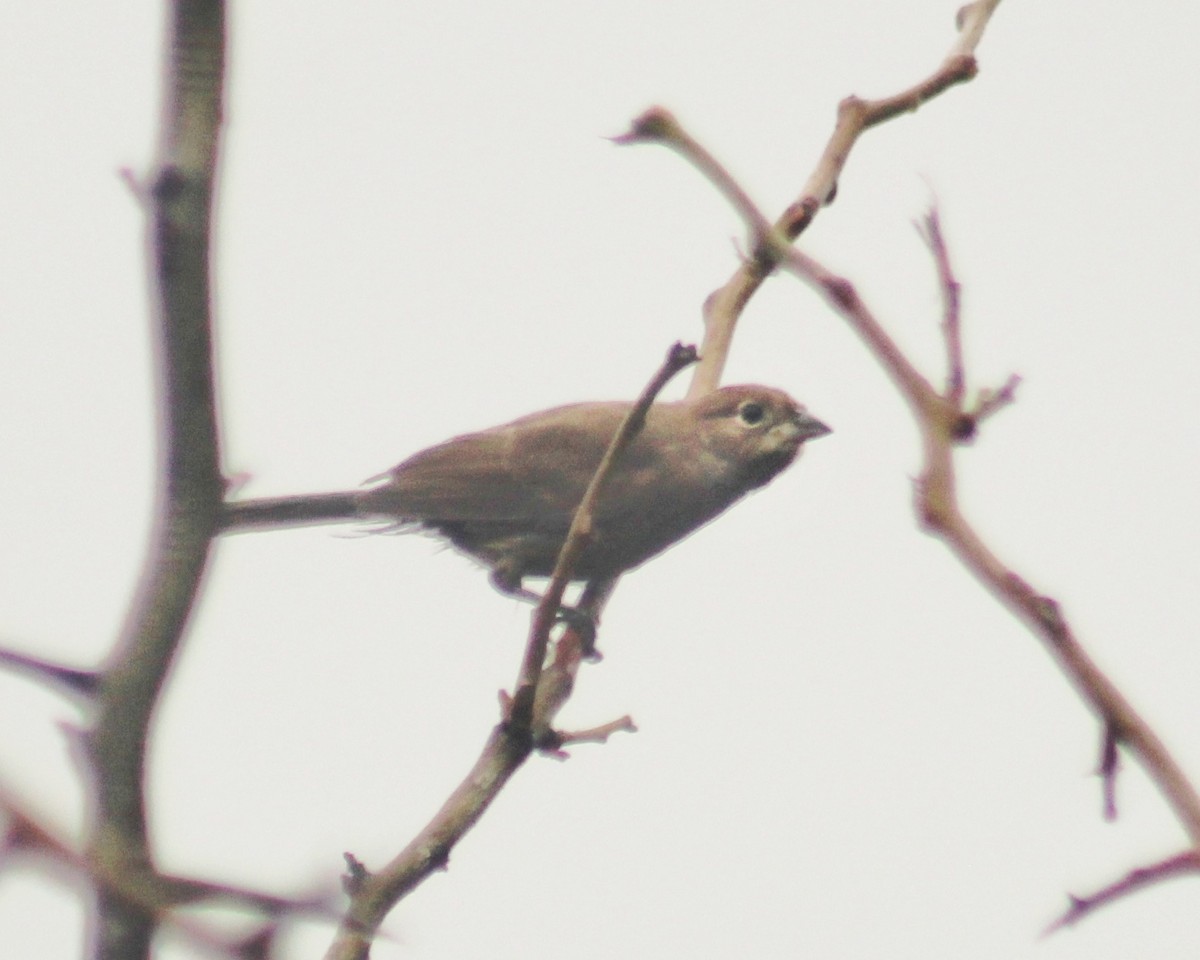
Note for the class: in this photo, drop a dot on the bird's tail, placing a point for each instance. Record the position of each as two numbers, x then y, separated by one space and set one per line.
296 511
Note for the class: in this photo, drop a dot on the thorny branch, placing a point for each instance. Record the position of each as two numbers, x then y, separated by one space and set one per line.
1179 865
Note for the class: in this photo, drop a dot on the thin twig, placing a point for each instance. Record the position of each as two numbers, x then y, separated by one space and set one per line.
938 507
724 306
943 424
658 125
931 232
1110 764
990 402
580 534
1177 866
78 683
599 734
527 716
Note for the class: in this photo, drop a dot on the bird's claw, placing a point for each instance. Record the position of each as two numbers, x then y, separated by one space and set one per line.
584 625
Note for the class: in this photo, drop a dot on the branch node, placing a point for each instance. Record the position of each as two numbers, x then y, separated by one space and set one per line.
799 215
961 68
168 184
550 742
852 109
841 292
964 428
764 258
1049 613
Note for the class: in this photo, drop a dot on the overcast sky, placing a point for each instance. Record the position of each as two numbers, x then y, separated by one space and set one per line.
846 749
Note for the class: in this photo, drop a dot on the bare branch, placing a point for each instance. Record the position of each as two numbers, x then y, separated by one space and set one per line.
540 692
154 895
937 505
1176 866
190 483
724 306
943 424
580 534
79 683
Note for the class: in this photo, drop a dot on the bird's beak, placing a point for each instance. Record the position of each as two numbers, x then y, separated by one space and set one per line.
809 428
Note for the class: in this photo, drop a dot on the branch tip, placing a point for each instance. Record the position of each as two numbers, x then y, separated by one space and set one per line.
356 874
990 402
1110 762
1080 907
655 125
601 733
81 683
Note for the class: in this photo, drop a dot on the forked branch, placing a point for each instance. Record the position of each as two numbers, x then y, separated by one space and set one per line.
526 724
946 421
724 306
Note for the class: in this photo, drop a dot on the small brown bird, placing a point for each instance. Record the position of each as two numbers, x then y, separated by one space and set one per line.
507 495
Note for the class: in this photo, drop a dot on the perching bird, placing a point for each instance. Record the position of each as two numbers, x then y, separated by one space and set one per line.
507 495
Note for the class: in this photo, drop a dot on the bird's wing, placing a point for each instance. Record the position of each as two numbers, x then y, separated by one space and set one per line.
534 469
467 478
561 455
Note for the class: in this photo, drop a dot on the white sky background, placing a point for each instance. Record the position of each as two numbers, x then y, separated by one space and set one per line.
846 748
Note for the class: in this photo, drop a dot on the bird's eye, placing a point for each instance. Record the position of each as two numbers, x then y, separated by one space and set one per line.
752 413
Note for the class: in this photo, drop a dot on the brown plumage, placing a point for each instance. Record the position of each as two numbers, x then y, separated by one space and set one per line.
507 495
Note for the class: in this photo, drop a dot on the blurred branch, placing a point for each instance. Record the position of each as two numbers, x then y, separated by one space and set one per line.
190 485
80 684
724 306
528 715
153 895
1177 866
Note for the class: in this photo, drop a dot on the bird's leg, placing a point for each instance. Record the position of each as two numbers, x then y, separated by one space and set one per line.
582 622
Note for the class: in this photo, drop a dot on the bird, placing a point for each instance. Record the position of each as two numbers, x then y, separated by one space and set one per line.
506 495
